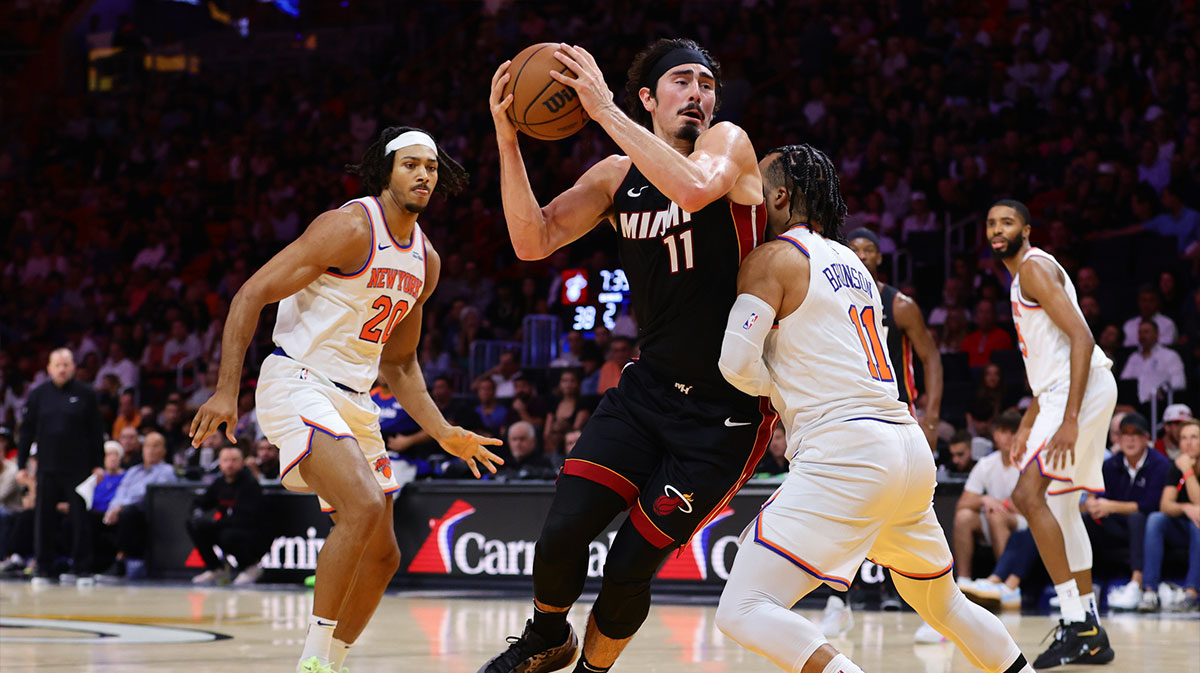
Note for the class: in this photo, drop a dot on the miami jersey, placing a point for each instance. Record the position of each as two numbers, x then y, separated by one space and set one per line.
339 323
827 361
1046 348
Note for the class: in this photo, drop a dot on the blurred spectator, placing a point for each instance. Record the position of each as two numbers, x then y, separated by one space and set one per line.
920 219
11 492
1133 486
504 375
417 444
102 497
620 352
128 415
493 416
1149 309
62 418
524 461
954 297
264 464
229 516
568 403
774 463
571 356
1153 364
207 386
16 548
991 397
172 428
894 193
961 463
183 346
1174 417
247 425
1176 524
127 510
569 441
987 337
954 330
985 507
131 444
527 404
1177 220
120 365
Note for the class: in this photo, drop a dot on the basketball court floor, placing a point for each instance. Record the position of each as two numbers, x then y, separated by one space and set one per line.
164 629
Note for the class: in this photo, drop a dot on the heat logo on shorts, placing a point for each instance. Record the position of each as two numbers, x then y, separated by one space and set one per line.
672 499
434 556
383 465
750 321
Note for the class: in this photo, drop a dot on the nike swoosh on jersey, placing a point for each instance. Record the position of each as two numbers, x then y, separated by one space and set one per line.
729 423
635 194
384 247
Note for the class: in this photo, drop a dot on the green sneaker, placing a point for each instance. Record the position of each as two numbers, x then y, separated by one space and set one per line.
314 665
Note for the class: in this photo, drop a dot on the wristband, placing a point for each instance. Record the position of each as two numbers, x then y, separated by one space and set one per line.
1191 473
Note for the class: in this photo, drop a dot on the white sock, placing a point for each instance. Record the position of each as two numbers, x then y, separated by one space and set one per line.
318 639
841 664
1089 604
337 653
1072 606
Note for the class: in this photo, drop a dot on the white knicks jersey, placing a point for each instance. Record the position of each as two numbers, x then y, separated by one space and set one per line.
339 323
1046 348
827 359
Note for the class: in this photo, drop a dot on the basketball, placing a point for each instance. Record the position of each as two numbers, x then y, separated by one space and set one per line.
542 107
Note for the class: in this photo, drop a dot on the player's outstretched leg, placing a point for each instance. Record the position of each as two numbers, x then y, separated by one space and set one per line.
755 611
335 469
581 510
976 631
376 568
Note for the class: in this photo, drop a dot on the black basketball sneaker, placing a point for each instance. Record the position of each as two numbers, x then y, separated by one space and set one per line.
530 653
1077 643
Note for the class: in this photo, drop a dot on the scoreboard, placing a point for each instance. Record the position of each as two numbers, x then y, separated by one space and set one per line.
591 300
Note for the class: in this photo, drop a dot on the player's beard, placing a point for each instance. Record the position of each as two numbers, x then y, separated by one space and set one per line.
1012 248
414 208
688 132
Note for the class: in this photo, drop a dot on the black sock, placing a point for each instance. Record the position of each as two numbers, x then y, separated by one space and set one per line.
550 625
582 666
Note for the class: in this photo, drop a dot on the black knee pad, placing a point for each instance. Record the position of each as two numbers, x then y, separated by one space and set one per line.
624 599
581 510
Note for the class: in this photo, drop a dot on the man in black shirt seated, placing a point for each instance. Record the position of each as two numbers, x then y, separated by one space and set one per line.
228 515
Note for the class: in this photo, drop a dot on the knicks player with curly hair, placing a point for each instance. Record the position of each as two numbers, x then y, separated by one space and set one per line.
673 441
805 330
350 292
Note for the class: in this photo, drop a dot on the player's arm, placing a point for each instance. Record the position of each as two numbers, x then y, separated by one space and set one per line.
536 232
338 239
909 318
761 297
722 162
1043 283
399 367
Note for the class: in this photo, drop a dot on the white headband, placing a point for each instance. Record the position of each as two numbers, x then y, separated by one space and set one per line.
410 138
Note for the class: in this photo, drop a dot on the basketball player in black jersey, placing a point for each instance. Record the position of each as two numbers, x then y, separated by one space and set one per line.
673 441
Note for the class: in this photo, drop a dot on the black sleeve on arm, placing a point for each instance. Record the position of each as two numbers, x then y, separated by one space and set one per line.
28 427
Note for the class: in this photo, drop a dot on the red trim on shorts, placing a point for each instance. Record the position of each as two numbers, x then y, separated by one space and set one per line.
747 226
1042 467
915 576
795 560
586 469
322 428
761 440
1075 488
906 356
648 528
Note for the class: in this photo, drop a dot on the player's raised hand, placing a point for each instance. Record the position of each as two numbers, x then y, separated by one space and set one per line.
470 447
220 408
1061 446
499 104
588 83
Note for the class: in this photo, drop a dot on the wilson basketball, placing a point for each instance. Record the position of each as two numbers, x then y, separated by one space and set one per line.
542 107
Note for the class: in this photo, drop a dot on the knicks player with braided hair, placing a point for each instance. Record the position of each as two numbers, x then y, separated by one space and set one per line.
1059 446
673 441
350 291
805 330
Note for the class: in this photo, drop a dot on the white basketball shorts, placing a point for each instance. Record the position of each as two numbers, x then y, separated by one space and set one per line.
294 402
1095 414
861 489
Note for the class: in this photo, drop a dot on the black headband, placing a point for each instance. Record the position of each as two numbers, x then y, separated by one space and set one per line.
675 57
864 233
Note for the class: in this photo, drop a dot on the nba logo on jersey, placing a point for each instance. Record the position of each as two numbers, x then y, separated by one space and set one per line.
304 374
750 321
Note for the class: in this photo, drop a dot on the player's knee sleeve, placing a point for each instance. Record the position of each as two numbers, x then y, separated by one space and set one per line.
624 599
1065 508
977 632
752 619
580 511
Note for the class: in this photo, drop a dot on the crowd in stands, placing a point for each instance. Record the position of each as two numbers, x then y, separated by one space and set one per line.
138 211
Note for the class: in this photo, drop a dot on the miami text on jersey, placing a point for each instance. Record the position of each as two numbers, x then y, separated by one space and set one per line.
652 224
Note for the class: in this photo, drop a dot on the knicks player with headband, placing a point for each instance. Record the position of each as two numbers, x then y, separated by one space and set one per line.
673 441
350 291
805 329
1059 445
